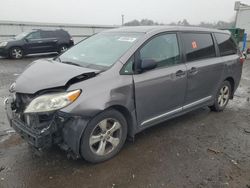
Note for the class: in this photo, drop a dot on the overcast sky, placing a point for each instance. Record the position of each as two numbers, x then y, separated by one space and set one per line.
108 12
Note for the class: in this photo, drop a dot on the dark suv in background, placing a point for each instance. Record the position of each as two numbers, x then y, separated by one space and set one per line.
36 41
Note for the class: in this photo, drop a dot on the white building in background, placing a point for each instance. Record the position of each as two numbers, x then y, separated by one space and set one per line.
243 18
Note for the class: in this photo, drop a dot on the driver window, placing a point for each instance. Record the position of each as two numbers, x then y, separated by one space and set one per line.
163 49
34 35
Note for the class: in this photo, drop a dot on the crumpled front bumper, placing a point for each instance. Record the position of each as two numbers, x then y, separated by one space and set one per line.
37 138
64 129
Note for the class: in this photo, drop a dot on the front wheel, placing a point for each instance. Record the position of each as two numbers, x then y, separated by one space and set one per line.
16 53
222 97
104 136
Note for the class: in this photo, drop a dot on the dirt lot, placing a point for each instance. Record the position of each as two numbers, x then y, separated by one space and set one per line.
199 149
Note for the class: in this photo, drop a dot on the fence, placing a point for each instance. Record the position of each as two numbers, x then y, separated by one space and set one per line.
78 32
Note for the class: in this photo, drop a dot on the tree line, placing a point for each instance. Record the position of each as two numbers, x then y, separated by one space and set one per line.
184 22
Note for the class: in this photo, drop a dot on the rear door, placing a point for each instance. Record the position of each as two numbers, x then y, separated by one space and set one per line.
204 67
50 40
159 93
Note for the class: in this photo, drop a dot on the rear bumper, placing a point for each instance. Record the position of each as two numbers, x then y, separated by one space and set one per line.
64 130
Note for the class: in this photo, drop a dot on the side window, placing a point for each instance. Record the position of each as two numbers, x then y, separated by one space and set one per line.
34 35
163 49
128 68
46 34
198 46
226 44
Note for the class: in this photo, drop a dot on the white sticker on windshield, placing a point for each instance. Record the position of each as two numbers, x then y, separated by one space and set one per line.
127 39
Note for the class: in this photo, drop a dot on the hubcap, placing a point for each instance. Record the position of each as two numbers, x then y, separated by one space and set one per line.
105 137
17 53
63 48
223 96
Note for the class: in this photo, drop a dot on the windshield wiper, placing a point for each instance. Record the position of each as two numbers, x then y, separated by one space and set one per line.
71 63
68 62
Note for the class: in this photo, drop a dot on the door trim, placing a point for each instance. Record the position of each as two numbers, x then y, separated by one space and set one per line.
162 115
177 110
196 102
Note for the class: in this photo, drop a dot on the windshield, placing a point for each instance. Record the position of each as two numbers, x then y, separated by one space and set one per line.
21 35
101 50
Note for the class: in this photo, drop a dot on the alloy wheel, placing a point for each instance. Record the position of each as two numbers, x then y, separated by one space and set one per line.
105 137
223 96
17 53
63 49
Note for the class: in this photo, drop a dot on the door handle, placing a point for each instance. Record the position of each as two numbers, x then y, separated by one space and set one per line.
39 41
193 70
180 73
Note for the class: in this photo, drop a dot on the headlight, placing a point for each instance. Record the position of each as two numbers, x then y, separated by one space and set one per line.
2 44
12 87
51 102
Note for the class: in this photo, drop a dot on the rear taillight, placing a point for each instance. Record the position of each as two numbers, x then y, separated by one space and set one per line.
242 59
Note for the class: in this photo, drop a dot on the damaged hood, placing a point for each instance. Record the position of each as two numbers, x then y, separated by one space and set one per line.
46 74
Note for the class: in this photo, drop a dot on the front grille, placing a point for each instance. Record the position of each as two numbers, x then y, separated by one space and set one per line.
21 102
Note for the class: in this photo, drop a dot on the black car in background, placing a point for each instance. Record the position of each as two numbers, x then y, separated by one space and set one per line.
36 41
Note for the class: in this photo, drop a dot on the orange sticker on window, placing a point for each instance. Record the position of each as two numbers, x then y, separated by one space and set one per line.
194 45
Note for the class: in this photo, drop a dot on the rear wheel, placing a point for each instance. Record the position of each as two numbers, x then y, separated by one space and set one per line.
222 97
16 53
63 48
104 136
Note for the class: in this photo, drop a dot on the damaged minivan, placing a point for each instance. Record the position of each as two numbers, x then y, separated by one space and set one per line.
112 85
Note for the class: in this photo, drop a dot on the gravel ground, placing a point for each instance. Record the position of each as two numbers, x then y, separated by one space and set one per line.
199 149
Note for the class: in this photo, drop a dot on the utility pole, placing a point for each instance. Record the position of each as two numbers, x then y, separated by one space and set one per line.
237 9
122 19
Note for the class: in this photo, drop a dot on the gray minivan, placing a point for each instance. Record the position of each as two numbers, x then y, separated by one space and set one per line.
116 83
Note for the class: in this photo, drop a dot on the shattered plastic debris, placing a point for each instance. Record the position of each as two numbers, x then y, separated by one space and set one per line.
234 162
2 168
247 131
214 150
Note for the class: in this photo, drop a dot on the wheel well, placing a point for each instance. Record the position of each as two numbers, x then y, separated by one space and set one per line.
63 44
231 81
124 111
15 47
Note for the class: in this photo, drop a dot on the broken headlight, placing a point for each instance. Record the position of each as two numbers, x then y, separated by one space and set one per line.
52 102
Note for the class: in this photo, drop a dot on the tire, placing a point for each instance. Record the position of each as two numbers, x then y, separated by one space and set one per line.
16 53
222 97
104 136
62 48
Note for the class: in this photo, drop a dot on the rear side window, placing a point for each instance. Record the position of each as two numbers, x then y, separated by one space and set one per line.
226 44
47 34
198 46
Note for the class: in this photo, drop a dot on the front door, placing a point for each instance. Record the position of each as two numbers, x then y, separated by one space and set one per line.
159 93
34 43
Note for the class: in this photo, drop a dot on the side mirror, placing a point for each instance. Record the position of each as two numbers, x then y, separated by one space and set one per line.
148 64
26 40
